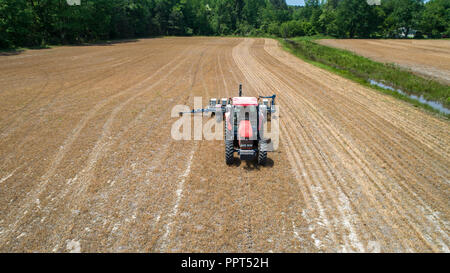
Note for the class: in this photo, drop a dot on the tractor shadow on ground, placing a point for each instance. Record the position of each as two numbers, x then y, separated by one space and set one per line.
115 42
252 165
11 52
18 51
107 43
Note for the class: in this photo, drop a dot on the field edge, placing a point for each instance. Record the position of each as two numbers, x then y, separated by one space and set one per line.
346 74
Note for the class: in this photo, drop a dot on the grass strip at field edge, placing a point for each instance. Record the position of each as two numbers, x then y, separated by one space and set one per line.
358 79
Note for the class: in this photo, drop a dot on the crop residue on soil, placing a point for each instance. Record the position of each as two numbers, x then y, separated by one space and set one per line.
89 165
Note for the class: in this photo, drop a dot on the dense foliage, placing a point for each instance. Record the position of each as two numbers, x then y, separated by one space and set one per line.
40 22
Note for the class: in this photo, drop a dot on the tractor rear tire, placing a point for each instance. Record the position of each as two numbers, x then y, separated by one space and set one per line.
262 153
229 152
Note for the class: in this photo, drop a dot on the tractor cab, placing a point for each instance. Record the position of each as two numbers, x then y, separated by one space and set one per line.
245 117
244 121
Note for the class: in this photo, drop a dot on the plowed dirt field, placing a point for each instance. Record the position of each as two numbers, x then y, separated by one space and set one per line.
88 163
430 58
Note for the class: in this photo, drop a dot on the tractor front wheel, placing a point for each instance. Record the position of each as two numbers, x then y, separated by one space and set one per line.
229 152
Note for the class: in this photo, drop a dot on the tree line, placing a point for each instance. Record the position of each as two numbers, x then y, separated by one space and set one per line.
41 22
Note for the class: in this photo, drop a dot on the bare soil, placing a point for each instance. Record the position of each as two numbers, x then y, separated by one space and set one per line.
430 58
88 162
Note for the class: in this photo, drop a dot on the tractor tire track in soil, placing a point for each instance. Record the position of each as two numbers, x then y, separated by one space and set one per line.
89 163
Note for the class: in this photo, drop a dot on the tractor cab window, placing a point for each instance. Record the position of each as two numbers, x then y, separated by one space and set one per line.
246 112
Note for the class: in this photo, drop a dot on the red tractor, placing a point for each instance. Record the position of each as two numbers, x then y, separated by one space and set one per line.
245 118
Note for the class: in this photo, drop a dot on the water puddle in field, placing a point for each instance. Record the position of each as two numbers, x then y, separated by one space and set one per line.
435 105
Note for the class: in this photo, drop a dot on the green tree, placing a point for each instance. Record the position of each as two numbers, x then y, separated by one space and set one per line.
16 24
327 20
355 18
402 15
39 22
436 18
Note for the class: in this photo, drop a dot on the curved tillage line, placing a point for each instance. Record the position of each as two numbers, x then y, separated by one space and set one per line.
283 74
279 84
249 68
77 199
395 111
439 147
386 122
162 217
79 177
312 123
226 90
375 128
179 195
243 200
366 172
411 192
45 179
87 82
401 46
102 142
29 102
190 199
250 90
431 60
221 211
36 127
164 242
